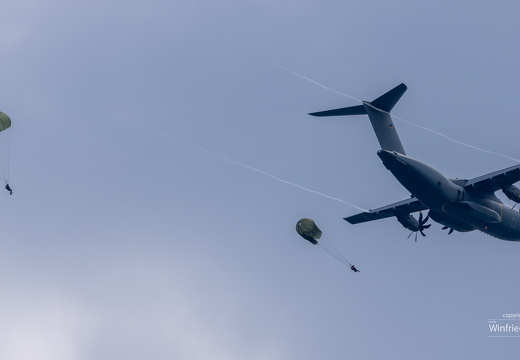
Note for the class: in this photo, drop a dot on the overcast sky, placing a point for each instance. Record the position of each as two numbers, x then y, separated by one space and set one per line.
161 155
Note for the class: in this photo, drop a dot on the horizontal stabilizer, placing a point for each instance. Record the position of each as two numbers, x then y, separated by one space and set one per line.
378 112
351 110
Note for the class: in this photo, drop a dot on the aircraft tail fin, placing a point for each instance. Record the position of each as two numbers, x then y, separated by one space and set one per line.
379 113
387 101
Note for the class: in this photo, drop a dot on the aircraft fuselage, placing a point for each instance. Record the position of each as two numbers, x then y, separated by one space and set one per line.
450 204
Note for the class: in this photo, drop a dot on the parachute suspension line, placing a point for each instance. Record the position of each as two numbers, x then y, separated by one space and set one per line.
5 155
308 230
5 148
339 257
8 154
334 249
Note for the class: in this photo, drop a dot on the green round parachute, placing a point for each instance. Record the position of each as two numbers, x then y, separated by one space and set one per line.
308 230
5 121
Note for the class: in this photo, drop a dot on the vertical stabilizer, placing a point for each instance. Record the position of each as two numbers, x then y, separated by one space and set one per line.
384 128
379 113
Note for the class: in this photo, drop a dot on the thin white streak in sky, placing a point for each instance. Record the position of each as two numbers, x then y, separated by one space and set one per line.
393 115
456 141
223 158
288 182
314 82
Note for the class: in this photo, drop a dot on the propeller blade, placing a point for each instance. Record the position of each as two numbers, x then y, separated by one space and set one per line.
423 234
425 220
426 226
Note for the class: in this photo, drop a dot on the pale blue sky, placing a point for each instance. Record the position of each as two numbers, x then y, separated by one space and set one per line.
131 236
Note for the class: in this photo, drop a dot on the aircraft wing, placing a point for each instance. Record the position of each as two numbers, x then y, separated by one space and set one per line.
496 180
402 207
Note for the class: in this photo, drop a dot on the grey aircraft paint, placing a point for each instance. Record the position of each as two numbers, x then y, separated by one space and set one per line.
459 205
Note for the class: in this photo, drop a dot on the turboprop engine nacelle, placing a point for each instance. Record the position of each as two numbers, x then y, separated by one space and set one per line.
409 222
512 192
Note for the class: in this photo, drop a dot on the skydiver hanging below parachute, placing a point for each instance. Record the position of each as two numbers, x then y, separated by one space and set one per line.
308 230
5 147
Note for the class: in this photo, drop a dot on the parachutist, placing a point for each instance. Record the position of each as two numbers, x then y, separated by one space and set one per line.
308 230
8 188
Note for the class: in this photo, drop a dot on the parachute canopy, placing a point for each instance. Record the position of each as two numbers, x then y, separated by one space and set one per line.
5 122
308 230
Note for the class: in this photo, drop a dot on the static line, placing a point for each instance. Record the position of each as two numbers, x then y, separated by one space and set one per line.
223 158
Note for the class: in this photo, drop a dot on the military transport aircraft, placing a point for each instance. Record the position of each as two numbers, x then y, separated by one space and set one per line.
458 204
